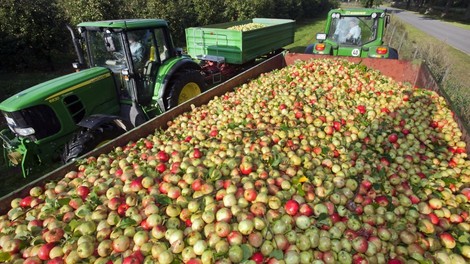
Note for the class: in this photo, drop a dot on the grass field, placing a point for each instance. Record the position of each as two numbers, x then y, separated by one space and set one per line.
305 35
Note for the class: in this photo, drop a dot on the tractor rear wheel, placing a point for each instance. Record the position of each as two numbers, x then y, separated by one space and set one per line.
393 54
184 86
89 139
309 49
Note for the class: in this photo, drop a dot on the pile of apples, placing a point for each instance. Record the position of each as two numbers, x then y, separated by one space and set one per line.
323 161
247 27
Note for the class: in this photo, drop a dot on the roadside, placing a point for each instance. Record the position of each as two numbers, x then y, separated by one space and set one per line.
450 33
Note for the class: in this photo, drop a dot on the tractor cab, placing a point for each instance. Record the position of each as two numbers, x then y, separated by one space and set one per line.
132 50
354 32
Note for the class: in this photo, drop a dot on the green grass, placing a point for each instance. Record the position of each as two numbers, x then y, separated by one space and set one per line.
305 34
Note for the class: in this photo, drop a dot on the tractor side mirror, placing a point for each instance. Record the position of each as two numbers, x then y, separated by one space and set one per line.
387 20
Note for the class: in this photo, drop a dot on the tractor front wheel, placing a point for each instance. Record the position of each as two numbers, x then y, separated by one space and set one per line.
184 86
89 139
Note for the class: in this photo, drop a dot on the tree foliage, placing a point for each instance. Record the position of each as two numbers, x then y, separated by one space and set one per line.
371 3
77 11
31 30
29 33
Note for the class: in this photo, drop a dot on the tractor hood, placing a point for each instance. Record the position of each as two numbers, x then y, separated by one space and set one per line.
52 90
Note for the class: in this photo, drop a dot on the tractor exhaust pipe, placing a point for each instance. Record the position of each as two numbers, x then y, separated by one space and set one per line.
76 45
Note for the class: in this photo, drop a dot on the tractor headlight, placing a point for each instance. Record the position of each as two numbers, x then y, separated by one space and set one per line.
22 131
10 121
27 131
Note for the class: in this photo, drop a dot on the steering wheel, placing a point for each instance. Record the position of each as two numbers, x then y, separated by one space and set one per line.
118 55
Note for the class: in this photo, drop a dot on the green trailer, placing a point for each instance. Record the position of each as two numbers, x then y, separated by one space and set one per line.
232 43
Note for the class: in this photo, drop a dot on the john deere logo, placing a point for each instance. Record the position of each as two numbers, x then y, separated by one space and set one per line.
355 52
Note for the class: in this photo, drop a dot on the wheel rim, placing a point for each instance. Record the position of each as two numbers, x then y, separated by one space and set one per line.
189 91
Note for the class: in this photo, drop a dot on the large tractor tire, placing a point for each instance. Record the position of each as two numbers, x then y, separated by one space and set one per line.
89 139
184 86
393 54
309 49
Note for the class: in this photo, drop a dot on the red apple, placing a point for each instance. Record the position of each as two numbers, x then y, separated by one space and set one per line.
291 207
246 168
162 156
257 257
44 251
305 209
235 238
197 153
26 201
56 260
250 194
447 240
54 235
360 244
83 191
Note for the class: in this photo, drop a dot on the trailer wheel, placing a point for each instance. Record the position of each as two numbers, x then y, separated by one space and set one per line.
184 86
89 139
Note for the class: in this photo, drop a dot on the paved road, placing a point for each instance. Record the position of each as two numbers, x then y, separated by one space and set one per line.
455 36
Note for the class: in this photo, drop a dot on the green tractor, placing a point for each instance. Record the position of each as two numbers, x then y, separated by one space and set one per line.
131 72
354 32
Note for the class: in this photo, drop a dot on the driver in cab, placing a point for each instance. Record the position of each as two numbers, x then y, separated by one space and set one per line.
354 34
137 50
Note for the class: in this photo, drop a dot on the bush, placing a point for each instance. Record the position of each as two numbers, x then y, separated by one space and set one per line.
32 29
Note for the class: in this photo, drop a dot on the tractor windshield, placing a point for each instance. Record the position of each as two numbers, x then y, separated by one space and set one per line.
107 50
353 30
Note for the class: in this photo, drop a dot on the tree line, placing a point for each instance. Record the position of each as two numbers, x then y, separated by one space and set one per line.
32 31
